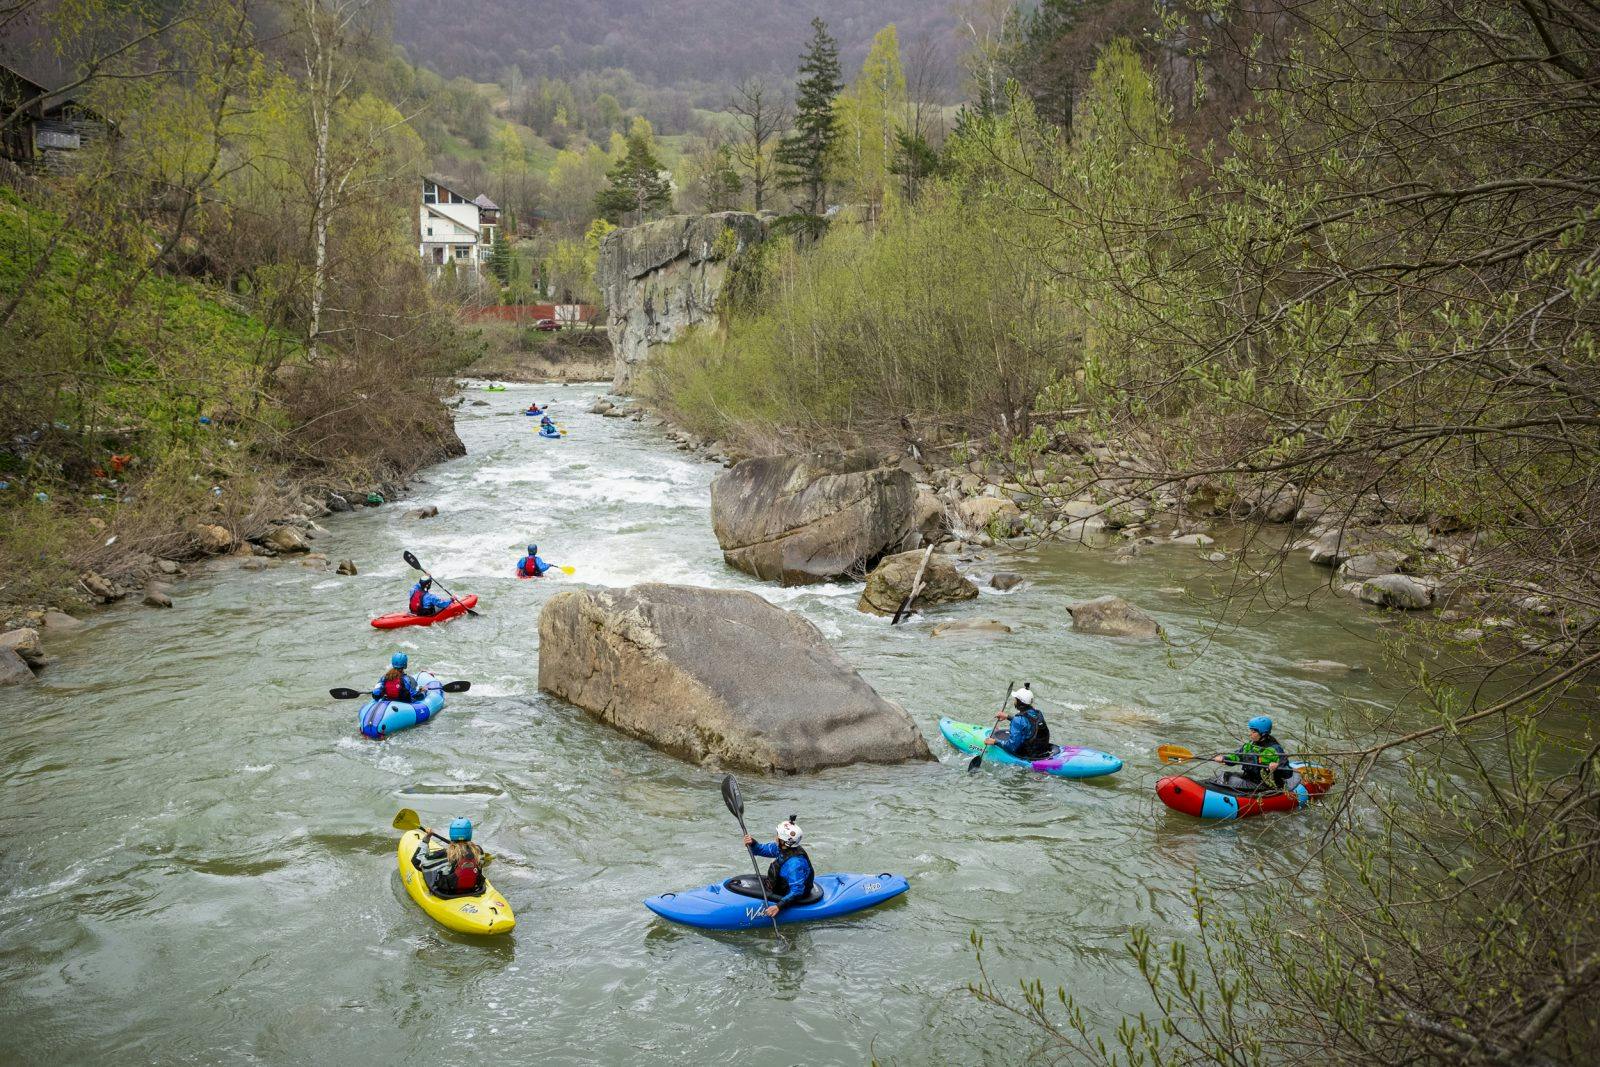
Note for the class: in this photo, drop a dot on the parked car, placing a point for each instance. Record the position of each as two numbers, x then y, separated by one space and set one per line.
547 325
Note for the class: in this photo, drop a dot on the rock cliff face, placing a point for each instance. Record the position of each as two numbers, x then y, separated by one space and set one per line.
717 675
662 277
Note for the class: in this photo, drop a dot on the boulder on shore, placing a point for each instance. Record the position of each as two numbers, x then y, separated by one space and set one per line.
1396 591
13 671
717 675
890 583
812 518
24 641
1111 616
287 539
990 514
214 540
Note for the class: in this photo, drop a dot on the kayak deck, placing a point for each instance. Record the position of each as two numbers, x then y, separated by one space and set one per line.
1064 761
717 907
481 913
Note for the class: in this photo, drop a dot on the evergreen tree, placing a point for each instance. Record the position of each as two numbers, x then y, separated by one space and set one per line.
500 258
638 186
914 160
803 156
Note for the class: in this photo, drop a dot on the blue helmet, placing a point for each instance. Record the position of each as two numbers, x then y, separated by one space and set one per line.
461 829
533 550
1261 724
399 659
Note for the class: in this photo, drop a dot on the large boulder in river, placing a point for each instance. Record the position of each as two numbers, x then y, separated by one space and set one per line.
800 519
24 641
1111 616
717 674
13 671
890 582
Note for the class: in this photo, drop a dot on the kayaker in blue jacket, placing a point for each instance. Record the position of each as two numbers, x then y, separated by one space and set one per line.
1028 737
1262 752
425 603
396 684
531 566
790 875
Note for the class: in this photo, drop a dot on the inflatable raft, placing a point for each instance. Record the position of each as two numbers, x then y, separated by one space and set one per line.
480 913
1064 761
405 618
1209 800
380 718
736 903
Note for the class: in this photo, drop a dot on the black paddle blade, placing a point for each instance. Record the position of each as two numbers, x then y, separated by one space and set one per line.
456 687
411 561
731 797
974 763
341 693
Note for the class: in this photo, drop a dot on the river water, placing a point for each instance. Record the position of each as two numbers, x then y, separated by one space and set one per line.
200 868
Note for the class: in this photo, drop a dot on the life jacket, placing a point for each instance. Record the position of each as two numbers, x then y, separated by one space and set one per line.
1038 733
419 597
398 688
1253 757
775 880
528 566
465 875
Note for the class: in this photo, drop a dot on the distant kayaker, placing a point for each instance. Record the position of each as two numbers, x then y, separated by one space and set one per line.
1028 736
463 862
396 684
790 875
425 603
546 423
535 409
531 566
1261 753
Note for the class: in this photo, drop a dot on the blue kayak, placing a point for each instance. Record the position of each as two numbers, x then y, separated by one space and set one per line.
380 718
551 436
736 904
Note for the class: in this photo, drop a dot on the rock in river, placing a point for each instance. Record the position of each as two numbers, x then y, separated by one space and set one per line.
800 519
1111 616
717 674
891 580
13 671
24 641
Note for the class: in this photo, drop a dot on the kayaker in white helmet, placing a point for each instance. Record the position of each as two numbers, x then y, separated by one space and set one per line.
790 876
1028 736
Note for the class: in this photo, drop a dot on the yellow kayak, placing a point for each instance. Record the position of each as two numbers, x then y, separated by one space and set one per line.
484 913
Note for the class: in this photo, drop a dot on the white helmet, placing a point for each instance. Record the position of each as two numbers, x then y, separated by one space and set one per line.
788 833
1023 695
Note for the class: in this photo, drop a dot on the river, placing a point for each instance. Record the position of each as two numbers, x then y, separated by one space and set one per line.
200 866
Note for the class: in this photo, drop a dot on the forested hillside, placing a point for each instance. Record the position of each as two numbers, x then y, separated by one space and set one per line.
691 44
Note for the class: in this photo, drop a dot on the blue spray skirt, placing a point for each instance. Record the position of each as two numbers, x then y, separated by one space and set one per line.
718 907
550 436
380 718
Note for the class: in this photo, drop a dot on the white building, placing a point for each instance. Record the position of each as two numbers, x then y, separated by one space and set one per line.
455 229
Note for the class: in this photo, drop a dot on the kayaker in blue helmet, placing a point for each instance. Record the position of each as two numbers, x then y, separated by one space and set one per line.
1262 752
463 864
396 684
425 603
1028 736
790 875
531 566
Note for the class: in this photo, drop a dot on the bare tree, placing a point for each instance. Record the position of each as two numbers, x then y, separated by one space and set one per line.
763 115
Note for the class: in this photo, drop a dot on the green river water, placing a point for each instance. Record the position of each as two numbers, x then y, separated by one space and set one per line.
199 864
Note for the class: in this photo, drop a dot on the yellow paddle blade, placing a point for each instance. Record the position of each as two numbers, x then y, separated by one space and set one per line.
406 819
1317 775
567 570
1174 754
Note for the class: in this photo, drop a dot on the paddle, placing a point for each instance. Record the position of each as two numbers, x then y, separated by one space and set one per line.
341 693
411 561
735 802
1179 754
977 761
406 819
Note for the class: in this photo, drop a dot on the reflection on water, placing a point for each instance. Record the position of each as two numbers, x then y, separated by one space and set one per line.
200 864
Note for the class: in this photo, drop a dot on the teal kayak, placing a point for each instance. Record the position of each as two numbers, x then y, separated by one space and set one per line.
1063 761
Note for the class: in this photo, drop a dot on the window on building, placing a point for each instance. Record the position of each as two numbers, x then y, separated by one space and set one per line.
488 235
430 231
462 251
430 193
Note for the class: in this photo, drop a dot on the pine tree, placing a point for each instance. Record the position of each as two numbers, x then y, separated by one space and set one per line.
803 156
500 258
637 186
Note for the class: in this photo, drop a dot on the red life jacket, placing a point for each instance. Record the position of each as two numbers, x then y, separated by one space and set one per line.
395 689
417 596
466 873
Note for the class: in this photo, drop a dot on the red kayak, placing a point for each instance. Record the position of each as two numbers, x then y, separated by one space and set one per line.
1206 800
405 618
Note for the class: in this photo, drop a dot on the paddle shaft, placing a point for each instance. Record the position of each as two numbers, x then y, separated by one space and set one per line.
977 761
760 881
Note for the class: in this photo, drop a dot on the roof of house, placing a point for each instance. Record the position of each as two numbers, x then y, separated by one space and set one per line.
429 208
441 183
483 201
